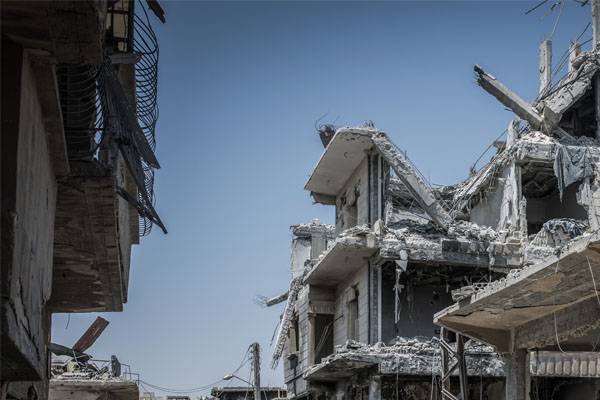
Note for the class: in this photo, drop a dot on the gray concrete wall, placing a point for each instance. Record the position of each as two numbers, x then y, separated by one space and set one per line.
28 206
359 180
340 326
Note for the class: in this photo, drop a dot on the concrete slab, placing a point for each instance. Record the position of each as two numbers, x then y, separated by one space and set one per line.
497 313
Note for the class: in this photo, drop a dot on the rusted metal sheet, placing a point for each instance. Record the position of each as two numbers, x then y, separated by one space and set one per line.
91 335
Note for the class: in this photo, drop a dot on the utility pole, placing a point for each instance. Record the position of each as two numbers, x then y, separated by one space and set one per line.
255 349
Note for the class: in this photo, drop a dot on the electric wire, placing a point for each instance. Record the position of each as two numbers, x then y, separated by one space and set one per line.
244 361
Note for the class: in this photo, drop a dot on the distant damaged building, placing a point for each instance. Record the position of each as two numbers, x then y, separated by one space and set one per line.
544 315
79 109
504 263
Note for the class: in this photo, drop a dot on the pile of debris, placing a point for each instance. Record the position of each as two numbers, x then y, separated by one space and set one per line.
554 235
71 363
416 356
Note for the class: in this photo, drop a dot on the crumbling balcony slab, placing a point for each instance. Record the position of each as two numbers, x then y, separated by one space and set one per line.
551 301
87 272
348 254
93 389
416 357
340 159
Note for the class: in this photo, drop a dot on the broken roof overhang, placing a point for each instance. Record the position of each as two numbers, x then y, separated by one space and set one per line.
512 312
346 256
348 148
338 162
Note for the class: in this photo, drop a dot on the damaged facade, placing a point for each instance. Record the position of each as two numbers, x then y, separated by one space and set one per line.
543 315
504 262
79 109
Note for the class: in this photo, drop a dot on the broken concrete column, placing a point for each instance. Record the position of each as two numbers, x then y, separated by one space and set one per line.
375 388
518 380
545 66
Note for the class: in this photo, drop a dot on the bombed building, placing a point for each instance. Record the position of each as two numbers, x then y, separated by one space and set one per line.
482 289
79 110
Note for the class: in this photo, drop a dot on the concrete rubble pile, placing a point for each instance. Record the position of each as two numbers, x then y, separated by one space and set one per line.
417 356
70 368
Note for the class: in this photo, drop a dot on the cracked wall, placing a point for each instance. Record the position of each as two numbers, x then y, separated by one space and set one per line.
28 205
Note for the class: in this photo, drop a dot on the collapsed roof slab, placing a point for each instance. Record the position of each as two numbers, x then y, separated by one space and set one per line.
509 313
412 357
344 153
347 255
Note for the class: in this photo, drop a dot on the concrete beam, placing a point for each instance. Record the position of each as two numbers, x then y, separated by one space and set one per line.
507 97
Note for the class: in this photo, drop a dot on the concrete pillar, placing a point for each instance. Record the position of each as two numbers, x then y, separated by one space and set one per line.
545 65
518 380
375 388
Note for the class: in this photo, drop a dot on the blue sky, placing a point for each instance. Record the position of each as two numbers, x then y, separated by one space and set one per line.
241 85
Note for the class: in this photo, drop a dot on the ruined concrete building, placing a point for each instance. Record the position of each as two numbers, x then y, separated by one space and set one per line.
504 263
79 108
